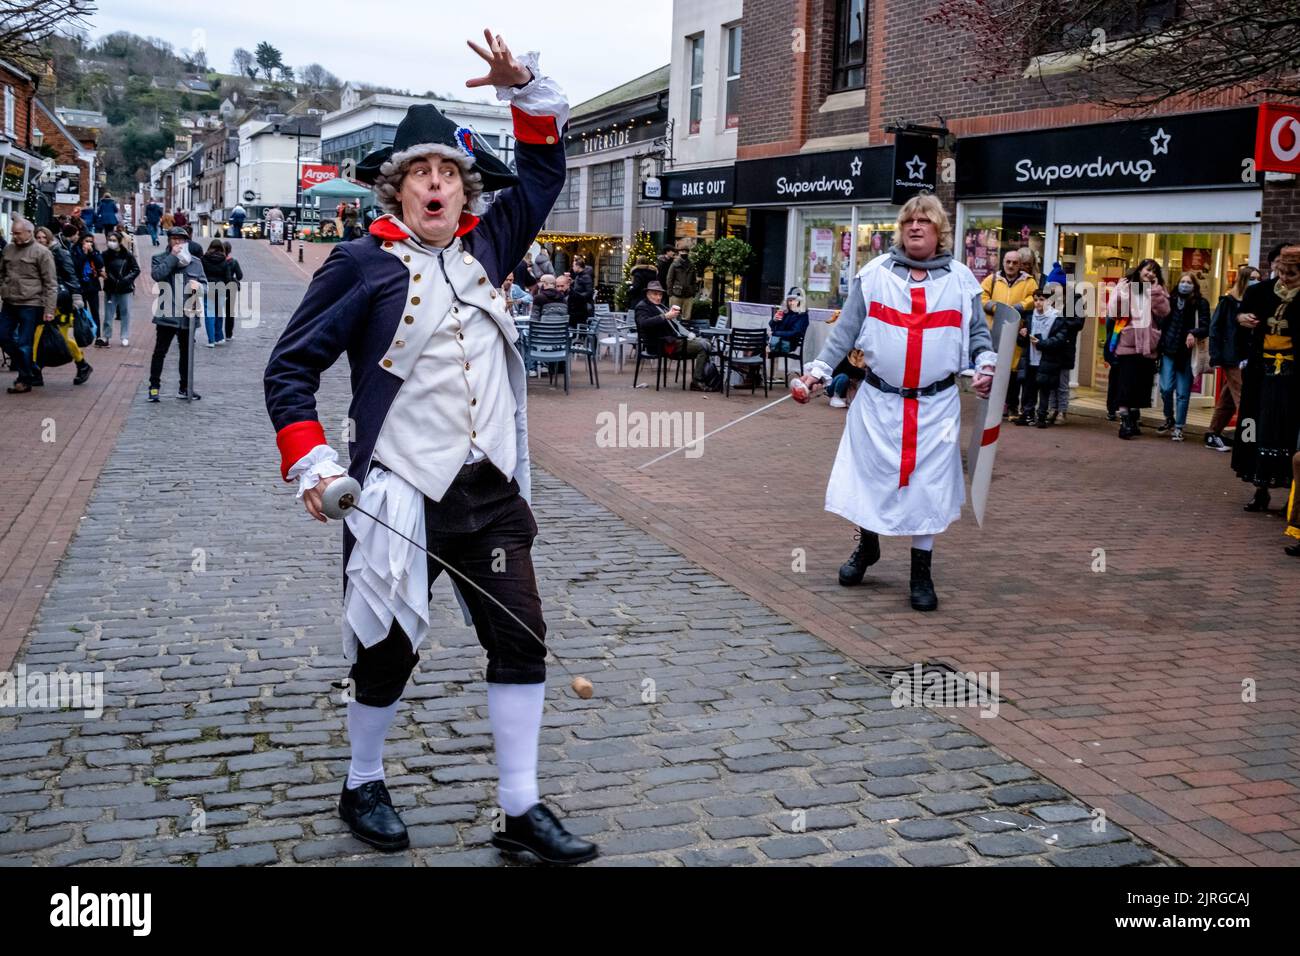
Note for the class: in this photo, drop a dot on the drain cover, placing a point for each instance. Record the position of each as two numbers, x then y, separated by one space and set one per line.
939 684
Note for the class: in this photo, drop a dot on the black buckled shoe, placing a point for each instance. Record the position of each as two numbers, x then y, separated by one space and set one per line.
864 556
83 372
1260 502
368 812
540 833
923 596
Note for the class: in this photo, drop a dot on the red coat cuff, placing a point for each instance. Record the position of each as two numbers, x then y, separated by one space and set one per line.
295 441
534 130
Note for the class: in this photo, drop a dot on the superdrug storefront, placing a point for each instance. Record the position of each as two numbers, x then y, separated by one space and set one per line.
1099 198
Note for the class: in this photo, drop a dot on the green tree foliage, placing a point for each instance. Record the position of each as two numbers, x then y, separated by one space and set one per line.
268 58
642 248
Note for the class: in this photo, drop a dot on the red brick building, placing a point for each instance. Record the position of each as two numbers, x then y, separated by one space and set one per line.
20 163
75 168
823 80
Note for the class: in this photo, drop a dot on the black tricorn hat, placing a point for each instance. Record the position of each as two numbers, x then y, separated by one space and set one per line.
425 125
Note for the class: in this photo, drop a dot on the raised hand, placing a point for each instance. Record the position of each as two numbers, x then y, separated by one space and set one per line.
503 68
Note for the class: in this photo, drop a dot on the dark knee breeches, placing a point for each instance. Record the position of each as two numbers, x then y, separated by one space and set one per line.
484 529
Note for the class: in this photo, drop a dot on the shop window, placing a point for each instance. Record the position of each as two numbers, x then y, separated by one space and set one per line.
568 198
1115 21
695 45
733 77
994 229
849 66
600 183
616 177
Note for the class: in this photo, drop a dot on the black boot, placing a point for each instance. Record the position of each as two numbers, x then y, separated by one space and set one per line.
541 833
1126 426
1259 502
368 812
923 596
864 556
1042 420
83 373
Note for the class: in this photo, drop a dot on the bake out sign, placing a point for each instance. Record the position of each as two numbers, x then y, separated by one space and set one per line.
705 188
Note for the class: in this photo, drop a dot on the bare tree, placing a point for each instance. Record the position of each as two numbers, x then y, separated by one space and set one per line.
25 25
318 78
243 63
1135 54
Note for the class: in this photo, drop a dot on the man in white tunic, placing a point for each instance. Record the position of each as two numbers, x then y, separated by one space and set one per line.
915 314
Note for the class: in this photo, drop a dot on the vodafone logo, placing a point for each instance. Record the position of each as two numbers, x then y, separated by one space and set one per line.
1286 128
1277 138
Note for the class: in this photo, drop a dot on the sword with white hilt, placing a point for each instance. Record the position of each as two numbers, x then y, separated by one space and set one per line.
983 447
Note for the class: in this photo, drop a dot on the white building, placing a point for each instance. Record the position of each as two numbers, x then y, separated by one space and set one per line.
704 112
364 123
271 153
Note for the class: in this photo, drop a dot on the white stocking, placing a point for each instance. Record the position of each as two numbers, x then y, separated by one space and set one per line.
515 712
367 728
923 542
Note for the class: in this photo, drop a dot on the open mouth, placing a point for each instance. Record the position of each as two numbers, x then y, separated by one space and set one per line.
433 207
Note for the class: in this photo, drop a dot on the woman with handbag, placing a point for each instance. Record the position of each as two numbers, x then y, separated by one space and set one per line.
1186 327
90 270
1136 312
65 310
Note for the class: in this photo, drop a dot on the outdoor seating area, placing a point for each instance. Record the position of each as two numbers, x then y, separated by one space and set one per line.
737 345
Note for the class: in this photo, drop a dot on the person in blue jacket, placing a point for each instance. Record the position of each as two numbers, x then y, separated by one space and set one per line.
437 434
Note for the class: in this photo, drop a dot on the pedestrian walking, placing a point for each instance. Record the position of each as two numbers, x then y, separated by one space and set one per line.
237 217
1228 342
106 216
120 272
1188 322
153 219
232 290
216 268
89 263
180 276
1270 385
29 292
1134 315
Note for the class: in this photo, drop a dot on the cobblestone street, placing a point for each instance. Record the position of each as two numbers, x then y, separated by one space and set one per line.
721 731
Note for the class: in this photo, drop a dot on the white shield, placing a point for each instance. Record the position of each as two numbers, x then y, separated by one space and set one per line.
983 448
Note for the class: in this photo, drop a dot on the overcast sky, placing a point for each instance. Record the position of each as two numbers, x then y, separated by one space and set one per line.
588 47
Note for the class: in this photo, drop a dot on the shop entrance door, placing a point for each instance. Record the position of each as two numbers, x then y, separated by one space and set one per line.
1103 258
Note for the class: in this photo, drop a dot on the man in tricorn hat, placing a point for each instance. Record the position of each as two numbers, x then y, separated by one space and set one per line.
437 434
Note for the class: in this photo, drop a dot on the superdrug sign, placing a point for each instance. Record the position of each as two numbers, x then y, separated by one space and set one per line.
1193 150
847 175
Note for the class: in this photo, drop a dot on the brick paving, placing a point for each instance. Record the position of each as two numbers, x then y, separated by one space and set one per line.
1124 686
722 732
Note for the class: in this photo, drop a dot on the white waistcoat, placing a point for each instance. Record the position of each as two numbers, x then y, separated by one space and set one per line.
454 353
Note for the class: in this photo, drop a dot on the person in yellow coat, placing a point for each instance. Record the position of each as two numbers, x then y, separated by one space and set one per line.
1015 287
1293 509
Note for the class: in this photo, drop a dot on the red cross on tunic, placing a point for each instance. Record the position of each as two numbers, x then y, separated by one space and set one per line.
916 322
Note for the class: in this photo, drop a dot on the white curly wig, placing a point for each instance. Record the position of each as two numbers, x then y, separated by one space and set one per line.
388 181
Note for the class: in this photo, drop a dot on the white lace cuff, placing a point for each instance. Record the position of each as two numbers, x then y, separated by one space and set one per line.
988 359
540 96
819 369
321 462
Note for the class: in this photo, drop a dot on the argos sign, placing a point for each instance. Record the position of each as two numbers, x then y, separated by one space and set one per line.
313 174
1277 139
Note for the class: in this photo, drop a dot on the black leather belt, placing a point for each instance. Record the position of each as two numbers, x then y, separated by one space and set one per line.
876 381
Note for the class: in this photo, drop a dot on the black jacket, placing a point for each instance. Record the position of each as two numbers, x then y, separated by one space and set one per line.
656 331
236 270
216 266
121 271
88 268
1192 316
584 284
545 297
1228 340
641 277
1054 347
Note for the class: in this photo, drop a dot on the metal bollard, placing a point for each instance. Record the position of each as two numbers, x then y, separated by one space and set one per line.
300 252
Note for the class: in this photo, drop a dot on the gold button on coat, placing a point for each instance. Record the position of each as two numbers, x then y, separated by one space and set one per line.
467 366
482 279
388 363
469 260
410 320
415 300
417 277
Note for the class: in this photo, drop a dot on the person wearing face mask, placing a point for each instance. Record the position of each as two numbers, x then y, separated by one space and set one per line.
1270 386
438 435
1227 348
181 279
120 272
1188 322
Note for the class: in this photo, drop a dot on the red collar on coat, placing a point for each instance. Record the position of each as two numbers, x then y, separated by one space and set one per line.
387 228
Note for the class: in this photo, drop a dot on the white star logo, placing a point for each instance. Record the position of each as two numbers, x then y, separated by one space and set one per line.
1160 142
915 168
856 166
